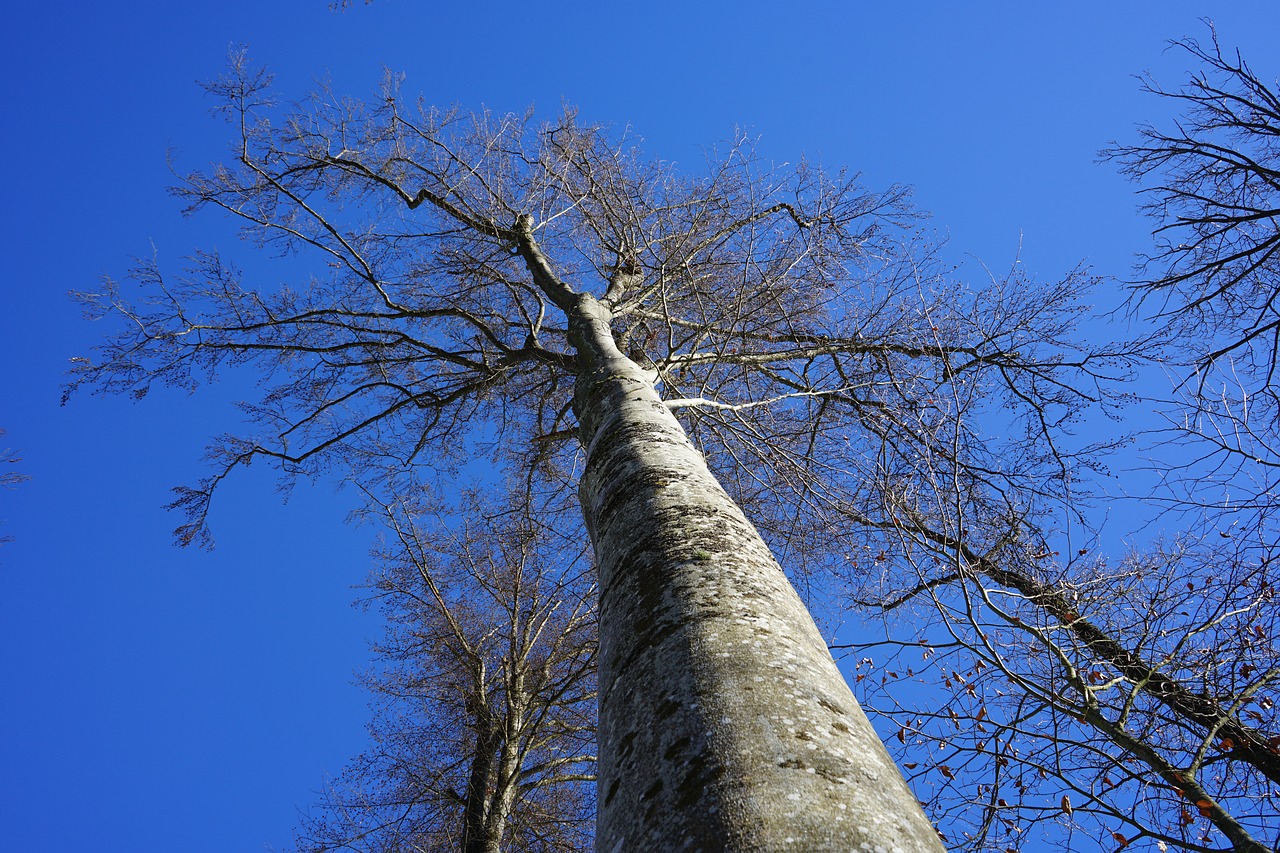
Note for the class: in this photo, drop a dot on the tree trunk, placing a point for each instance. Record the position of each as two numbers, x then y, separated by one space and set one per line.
725 724
506 773
475 814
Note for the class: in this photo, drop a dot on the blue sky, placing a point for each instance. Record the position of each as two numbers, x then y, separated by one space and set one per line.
162 699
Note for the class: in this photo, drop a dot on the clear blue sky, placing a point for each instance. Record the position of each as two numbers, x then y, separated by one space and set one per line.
159 699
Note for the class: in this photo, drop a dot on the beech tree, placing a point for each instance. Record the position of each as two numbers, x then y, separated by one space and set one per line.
548 297
484 729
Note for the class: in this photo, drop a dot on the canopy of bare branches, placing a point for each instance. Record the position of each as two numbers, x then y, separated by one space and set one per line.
803 327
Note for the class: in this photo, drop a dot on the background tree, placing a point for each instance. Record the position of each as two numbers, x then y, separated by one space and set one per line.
1213 190
484 694
1118 700
1212 183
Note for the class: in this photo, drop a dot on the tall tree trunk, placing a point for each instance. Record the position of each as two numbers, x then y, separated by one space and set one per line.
506 771
474 819
725 724
504 795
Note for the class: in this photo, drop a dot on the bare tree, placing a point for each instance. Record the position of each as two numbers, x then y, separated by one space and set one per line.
496 288
484 731
1213 185
1083 703
1089 702
1212 182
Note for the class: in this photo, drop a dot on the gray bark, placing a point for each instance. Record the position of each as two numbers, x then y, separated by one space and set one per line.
725 724
476 815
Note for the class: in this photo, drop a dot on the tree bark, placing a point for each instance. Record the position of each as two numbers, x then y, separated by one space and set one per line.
725 724
476 818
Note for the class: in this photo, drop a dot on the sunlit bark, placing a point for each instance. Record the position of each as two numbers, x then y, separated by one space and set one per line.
724 722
